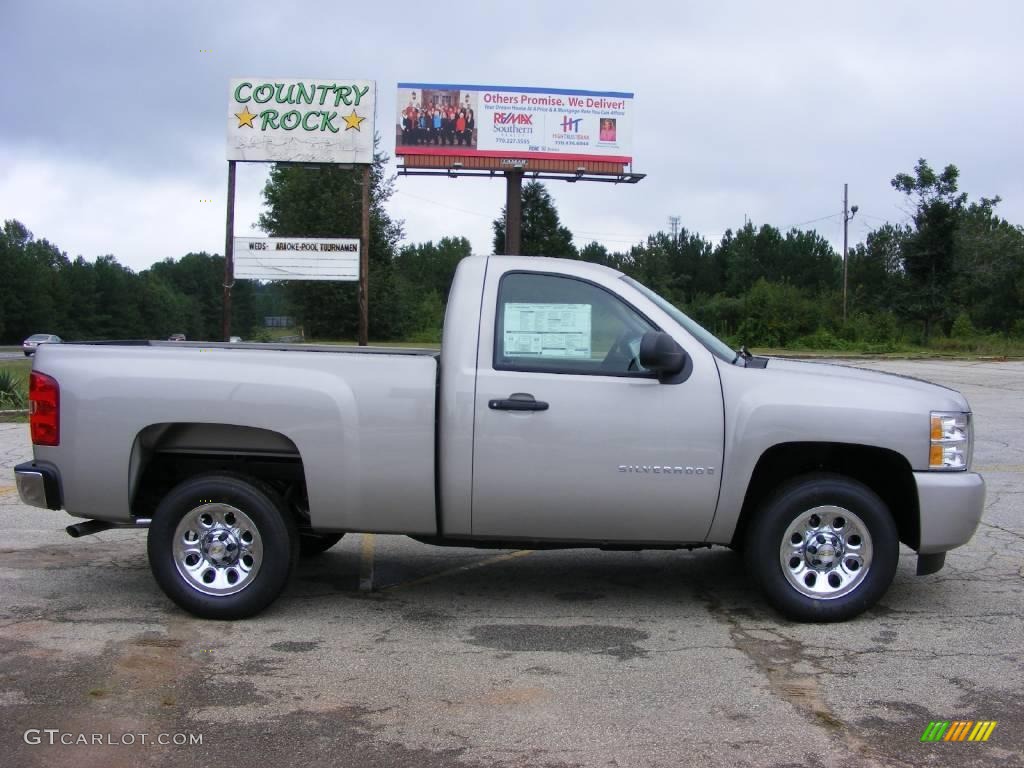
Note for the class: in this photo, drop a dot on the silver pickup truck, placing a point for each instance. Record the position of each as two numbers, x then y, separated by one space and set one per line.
569 406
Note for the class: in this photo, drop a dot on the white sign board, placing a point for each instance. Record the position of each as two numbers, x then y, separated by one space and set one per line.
547 330
296 258
301 121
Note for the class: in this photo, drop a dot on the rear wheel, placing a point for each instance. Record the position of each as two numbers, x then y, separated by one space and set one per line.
823 548
222 546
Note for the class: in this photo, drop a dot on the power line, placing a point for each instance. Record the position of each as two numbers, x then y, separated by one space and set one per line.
814 221
443 205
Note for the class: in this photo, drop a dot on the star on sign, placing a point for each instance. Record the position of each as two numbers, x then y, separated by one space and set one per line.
352 121
245 117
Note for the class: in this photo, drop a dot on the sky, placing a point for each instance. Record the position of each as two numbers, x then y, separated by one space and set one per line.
112 137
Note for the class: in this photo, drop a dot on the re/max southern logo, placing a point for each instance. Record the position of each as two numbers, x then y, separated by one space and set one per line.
512 118
571 124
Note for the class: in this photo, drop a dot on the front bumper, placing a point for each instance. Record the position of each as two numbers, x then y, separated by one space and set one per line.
950 506
39 485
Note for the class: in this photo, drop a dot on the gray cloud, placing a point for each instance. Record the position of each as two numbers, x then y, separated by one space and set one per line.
113 120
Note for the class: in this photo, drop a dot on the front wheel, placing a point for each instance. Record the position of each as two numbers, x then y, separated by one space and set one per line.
222 546
823 548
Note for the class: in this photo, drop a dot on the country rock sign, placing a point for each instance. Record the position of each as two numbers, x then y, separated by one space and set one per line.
298 95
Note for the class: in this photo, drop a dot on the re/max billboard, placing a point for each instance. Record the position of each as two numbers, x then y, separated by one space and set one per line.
512 122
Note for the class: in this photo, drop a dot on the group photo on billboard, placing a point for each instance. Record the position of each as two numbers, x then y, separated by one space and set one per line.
513 122
438 116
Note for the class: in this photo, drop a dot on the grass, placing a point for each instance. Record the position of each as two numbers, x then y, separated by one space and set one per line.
14 383
899 352
352 343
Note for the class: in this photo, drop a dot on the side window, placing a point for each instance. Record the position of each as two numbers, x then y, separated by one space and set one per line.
558 324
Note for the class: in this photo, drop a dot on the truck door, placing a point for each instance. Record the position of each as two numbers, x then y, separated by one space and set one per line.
572 439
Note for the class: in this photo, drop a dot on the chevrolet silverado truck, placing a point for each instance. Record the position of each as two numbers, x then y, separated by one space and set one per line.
569 406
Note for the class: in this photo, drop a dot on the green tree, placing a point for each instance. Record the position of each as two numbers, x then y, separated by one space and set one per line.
431 267
989 267
117 313
875 273
928 253
809 262
543 233
750 255
26 303
327 202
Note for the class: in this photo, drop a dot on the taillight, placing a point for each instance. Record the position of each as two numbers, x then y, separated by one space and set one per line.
44 416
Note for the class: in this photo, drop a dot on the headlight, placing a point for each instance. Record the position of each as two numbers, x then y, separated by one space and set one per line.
951 439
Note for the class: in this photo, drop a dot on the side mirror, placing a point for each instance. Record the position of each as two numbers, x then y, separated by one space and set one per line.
660 353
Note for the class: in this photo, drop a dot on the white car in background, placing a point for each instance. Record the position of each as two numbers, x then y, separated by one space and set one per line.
29 345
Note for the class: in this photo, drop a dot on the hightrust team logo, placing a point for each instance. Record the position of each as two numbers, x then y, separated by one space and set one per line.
571 125
958 730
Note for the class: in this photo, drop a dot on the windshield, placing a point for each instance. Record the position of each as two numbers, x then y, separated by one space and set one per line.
716 346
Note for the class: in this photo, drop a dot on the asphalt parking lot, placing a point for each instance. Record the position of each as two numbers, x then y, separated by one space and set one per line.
482 658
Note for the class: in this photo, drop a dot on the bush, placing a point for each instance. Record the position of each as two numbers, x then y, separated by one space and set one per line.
962 327
776 314
429 319
822 338
13 395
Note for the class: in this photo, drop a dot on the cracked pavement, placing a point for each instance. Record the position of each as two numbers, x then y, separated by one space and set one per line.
561 658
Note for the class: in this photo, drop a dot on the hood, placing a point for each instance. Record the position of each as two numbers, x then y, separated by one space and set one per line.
830 371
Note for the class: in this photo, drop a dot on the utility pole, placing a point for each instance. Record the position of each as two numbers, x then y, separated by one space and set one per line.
848 213
673 223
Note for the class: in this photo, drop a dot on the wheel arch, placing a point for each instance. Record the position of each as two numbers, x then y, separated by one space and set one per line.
884 471
164 454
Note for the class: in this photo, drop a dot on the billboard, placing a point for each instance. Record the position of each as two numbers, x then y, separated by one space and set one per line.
296 258
512 123
301 121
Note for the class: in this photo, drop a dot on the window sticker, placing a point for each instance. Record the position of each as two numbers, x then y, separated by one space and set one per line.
547 330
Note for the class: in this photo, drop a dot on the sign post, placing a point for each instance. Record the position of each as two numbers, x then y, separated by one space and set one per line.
229 279
513 212
364 264
281 120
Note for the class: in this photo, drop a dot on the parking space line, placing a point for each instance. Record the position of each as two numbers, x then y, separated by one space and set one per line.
460 569
366 563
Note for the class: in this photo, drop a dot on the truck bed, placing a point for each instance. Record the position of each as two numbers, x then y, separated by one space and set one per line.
360 420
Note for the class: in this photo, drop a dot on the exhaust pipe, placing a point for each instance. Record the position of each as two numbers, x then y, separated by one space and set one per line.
89 527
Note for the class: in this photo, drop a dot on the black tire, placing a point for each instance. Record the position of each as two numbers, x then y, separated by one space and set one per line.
851 568
261 517
313 544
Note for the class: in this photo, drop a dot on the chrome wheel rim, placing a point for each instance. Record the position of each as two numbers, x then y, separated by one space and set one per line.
217 549
826 552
